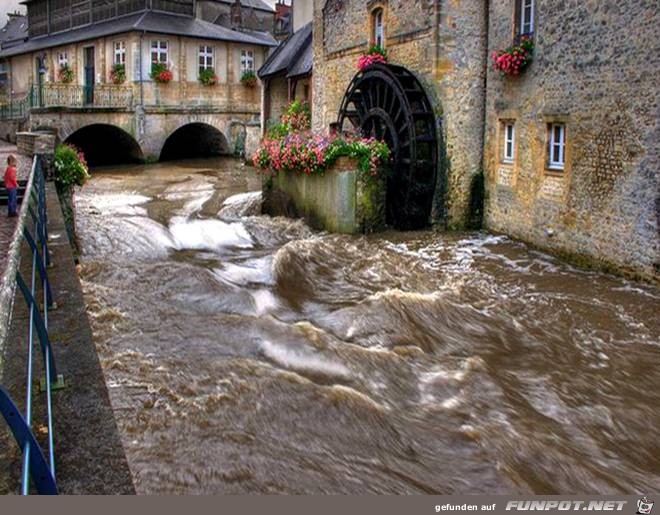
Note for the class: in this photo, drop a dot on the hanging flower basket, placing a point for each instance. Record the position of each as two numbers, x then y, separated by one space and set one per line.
249 79
65 74
514 59
160 73
375 55
118 74
207 77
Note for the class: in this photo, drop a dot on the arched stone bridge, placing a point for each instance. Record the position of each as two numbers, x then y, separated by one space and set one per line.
108 136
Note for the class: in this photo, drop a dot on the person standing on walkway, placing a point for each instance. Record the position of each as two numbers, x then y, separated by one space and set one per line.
11 184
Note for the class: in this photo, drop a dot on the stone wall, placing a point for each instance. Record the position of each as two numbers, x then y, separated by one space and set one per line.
595 69
34 143
150 128
341 200
252 139
444 44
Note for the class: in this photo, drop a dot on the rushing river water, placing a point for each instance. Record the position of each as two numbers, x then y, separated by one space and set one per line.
246 354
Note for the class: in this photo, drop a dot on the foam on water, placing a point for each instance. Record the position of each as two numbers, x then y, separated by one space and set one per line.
241 205
303 361
264 302
208 235
257 271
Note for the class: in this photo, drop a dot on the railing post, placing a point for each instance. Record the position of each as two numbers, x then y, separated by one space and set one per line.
39 469
36 467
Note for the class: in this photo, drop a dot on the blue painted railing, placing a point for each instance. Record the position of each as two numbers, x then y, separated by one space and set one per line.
38 467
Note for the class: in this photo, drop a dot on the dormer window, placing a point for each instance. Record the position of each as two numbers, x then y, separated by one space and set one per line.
378 22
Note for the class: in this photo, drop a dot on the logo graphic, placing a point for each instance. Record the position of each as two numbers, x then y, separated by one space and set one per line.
644 506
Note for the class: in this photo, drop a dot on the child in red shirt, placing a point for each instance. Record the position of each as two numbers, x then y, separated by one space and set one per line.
11 184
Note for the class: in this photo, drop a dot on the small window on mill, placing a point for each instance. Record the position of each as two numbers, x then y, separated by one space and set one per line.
377 17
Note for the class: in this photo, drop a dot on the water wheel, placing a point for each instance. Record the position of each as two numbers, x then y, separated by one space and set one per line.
387 102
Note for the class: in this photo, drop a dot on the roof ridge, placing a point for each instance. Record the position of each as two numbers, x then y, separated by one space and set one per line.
139 20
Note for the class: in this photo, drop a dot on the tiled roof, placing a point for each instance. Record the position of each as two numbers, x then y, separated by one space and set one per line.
155 22
293 57
14 32
255 4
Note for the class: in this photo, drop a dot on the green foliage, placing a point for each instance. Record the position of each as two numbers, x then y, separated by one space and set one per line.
292 146
368 153
118 74
160 73
249 79
207 77
297 118
70 167
66 74
375 49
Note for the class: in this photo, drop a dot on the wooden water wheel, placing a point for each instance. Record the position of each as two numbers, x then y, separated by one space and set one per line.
387 102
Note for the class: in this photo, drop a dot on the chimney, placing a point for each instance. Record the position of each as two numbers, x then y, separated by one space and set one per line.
237 15
283 26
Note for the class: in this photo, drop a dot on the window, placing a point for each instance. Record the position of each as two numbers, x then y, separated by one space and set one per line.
379 29
526 17
247 61
556 146
205 57
159 52
4 75
120 52
62 59
508 154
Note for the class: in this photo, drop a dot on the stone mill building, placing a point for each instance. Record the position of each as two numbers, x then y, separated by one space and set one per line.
563 154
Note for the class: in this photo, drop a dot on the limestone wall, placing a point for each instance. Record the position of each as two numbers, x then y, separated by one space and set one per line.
595 69
340 200
444 44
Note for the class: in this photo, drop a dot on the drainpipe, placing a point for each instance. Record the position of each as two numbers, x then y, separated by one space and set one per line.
436 36
485 86
141 71
484 112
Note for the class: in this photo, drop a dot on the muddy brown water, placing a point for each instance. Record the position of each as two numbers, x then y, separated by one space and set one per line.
246 354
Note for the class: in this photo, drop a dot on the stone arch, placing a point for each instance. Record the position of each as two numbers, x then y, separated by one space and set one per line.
105 144
194 139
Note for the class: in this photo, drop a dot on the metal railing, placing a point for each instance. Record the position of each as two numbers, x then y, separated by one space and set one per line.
15 108
74 95
37 468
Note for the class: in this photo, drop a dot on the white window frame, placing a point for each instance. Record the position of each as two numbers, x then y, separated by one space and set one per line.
379 27
206 57
119 52
527 27
160 51
557 146
4 73
247 61
509 147
62 59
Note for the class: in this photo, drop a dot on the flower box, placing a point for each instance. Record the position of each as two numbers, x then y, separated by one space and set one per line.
375 55
514 59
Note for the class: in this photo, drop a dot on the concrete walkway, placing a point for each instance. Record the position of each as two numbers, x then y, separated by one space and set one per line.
90 456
